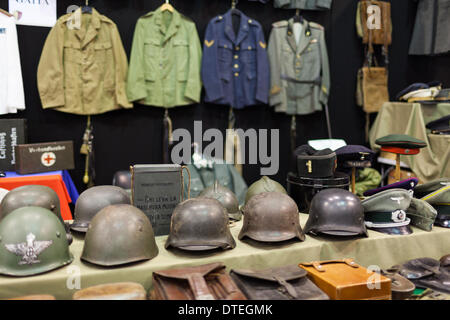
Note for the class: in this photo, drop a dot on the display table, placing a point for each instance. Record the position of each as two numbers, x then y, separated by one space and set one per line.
379 249
59 181
432 162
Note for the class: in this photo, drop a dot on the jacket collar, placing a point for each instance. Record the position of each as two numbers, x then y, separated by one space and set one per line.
304 39
173 26
243 27
86 36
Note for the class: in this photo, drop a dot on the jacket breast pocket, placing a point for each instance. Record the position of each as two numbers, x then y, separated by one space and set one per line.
104 58
225 51
181 50
152 47
72 53
249 53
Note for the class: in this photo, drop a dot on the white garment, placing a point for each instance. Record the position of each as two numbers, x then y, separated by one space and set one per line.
11 84
298 27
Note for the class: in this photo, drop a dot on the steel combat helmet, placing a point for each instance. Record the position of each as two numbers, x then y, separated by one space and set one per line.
226 197
200 224
336 212
32 241
93 200
119 234
30 195
271 217
265 184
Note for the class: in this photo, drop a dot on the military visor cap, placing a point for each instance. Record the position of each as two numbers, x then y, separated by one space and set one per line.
354 156
386 211
424 189
407 184
401 141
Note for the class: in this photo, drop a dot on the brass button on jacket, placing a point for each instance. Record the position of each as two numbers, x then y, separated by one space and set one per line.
83 67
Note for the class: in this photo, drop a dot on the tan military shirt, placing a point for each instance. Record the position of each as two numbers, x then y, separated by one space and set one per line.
83 66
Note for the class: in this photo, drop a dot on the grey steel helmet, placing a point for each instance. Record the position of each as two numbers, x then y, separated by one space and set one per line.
200 224
271 217
32 241
117 235
226 197
30 195
93 200
336 212
265 184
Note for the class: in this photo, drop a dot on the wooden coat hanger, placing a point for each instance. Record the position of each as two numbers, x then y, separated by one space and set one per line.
167 7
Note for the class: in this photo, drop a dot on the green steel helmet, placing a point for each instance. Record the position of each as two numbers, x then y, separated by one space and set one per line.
265 184
117 235
93 200
30 195
200 224
226 197
271 217
32 241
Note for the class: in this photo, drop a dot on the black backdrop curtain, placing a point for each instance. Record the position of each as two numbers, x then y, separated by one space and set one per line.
123 138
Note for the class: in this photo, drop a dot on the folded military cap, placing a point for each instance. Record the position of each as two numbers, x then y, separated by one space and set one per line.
407 184
422 214
440 200
354 156
386 211
401 141
314 163
411 88
426 188
441 124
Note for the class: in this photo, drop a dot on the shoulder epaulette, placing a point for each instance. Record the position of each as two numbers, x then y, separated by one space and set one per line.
149 14
106 19
316 25
217 19
280 24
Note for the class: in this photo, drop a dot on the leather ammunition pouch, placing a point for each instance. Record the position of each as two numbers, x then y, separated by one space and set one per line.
206 282
426 273
284 283
315 164
372 88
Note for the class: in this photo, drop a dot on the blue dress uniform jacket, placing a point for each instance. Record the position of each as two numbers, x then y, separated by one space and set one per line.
235 68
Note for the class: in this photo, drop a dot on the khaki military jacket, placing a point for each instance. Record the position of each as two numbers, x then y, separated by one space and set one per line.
300 76
165 61
83 66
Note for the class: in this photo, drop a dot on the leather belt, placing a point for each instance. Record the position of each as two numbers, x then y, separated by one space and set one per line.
317 81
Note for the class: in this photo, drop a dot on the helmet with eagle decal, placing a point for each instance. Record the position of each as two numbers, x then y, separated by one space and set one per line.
32 241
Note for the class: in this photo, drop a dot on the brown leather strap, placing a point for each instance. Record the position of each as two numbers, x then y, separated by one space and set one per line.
318 265
289 288
199 287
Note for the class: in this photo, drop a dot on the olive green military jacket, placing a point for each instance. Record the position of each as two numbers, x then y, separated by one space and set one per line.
299 74
165 61
83 66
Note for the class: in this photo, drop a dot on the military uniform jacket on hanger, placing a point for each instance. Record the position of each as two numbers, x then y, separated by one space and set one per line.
83 66
235 67
301 4
165 61
300 76
11 84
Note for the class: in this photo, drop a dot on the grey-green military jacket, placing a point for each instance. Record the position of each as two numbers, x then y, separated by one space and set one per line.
303 4
300 75
165 61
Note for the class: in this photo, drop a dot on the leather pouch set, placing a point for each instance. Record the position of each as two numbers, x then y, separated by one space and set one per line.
206 282
284 283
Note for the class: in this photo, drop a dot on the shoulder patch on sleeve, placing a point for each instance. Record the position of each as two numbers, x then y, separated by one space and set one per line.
316 26
280 24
